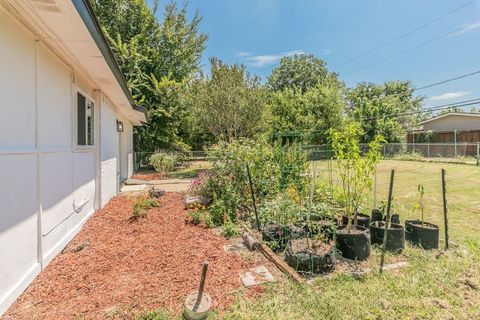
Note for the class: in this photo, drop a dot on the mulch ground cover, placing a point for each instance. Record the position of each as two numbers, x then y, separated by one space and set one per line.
149 176
114 264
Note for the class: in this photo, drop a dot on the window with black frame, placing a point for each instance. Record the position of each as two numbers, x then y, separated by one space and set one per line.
85 121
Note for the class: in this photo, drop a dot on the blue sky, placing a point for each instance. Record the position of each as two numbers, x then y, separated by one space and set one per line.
258 33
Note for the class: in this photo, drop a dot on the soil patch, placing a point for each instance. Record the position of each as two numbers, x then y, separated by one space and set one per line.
316 247
151 263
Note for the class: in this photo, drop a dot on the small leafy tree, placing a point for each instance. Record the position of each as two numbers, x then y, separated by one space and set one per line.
355 168
421 202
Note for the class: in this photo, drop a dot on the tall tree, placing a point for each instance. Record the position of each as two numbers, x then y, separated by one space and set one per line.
307 116
229 103
157 58
300 72
388 109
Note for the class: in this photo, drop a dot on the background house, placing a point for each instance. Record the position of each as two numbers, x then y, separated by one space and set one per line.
66 132
460 130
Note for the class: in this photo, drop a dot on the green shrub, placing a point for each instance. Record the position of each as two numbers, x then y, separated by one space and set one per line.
201 216
230 229
142 205
165 162
282 210
273 168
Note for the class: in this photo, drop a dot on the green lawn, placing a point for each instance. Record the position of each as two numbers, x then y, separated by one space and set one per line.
463 193
429 288
432 286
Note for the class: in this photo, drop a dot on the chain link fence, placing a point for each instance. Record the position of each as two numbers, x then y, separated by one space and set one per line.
468 153
448 152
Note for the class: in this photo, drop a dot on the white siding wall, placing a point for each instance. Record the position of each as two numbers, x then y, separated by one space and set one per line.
109 151
126 149
18 210
453 122
47 185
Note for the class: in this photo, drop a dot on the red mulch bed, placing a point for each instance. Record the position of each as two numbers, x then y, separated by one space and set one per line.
150 263
151 176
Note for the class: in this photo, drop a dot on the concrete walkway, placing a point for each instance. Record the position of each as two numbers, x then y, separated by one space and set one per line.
167 185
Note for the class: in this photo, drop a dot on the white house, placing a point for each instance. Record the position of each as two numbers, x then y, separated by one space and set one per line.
459 121
63 153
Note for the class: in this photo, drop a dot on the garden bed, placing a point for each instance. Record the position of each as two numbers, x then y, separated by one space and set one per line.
115 268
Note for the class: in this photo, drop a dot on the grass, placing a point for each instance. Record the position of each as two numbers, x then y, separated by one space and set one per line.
429 288
463 193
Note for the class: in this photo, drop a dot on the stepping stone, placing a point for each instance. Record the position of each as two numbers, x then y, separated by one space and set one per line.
256 276
132 188
237 247
135 182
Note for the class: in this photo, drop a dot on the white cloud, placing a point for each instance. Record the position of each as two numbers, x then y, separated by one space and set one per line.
450 95
242 54
260 61
467 28
327 51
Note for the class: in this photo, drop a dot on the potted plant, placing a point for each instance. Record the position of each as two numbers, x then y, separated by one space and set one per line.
355 171
419 232
279 217
312 254
396 232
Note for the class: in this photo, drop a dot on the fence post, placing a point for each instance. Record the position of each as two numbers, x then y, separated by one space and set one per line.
387 220
428 150
445 210
455 135
375 189
478 153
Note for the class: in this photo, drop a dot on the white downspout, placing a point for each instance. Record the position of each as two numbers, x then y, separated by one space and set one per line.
38 201
97 96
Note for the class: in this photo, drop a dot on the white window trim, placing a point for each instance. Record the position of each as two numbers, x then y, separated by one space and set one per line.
76 146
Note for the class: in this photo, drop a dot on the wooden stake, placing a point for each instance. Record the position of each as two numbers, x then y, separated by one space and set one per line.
253 199
277 261
445 210
375 188
387 220
202 286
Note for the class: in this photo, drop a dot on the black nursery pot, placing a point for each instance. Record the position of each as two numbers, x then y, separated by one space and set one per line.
376 215
354 245
395 237
363 220
309 262
426 236
394 218
281 234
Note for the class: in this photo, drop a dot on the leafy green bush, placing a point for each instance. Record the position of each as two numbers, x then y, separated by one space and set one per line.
281 210
165 162
201 216
142 205
273 168
230 229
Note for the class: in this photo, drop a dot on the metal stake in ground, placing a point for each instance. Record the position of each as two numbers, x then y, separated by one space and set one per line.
198 303
253 199
387 220
202 286
445 211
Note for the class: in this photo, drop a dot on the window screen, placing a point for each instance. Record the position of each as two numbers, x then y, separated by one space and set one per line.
85 117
